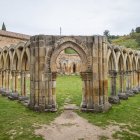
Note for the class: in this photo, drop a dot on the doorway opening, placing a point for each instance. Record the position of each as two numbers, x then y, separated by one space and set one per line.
68 81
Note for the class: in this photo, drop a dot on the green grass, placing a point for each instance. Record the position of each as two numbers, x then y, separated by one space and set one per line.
17 122
68 87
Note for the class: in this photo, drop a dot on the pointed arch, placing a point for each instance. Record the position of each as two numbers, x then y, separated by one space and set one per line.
75 47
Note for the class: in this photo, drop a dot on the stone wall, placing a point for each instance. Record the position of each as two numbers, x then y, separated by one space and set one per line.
7 38
68 63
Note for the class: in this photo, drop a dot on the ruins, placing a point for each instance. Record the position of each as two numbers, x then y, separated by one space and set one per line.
42 57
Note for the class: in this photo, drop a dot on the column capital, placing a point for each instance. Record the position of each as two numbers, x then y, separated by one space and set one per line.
86 76
113 73
138 71
54 75
121 72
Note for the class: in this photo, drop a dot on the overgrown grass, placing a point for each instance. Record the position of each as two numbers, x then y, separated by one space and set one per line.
17 122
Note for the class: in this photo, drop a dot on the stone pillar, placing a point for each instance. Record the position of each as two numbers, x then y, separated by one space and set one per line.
4 79
7 80
87 97
114 99
133 77
128 80
100 72
1 79
23 83
138 72
15 81
121 81
122 93
54 75
42 81
136 78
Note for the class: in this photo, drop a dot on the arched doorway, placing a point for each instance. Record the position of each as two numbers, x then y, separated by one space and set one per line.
53 67
68 85
43 70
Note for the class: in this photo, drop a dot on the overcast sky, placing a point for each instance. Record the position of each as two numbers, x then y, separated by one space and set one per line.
76 17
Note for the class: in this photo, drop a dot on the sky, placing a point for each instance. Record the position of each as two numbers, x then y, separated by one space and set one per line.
75 17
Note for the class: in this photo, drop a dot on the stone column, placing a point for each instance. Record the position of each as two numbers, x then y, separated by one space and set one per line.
87 88
133 77
99 68
114 99
136 78
41 93
23 83
138 72
15 81
7 80
128 80
4 78
121 81
122 93
1 79
54 75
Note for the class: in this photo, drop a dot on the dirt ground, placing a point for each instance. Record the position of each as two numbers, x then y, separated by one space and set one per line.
70 126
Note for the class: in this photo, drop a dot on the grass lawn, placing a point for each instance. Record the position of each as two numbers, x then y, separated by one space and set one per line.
18 122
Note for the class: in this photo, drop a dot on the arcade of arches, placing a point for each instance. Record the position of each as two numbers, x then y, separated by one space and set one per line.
100 64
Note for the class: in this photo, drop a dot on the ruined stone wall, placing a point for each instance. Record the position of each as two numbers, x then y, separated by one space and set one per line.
7 38
68 64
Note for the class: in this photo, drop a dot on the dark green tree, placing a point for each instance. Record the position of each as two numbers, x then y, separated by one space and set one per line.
3 27
106 33
137 30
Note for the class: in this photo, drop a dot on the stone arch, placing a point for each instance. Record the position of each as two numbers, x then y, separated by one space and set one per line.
74 46
8 61
25 59
120 62
44 53
111 60
1 62
15 64
133 63
128 63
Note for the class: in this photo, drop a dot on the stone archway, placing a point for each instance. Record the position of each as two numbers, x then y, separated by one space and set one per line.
84 70
43 69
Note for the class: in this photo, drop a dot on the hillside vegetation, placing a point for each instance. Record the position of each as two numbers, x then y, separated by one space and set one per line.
129 41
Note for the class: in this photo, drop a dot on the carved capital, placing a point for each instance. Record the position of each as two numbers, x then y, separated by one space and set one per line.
112 73
86 76
54 75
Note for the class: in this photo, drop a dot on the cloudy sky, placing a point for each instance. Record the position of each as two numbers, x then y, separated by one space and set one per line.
76 17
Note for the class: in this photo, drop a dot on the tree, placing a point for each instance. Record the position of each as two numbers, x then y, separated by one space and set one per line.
106 33
132 31
137 30
3 27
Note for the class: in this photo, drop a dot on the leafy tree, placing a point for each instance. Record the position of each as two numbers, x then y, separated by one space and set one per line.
138 30
132 31
3 27
106 33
